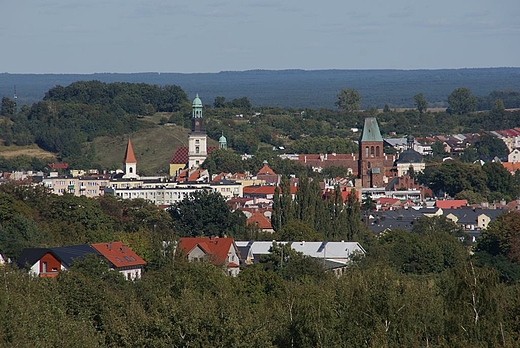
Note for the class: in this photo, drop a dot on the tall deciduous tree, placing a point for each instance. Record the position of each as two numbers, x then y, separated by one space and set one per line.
420 103
461 101
205 213
348 100
8 107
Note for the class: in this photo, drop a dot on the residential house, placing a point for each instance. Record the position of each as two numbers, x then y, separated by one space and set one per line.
122 259
222 252
260 221
334 255
48 262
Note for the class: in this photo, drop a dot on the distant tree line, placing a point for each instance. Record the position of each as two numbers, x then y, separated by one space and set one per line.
69 117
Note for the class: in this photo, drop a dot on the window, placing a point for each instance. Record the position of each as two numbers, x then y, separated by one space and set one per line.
371 151
377 151
197 141
197 149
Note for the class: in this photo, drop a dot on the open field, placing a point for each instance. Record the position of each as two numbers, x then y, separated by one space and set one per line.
30 151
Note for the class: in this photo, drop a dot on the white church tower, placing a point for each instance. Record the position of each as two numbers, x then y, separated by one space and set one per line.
197 140
130 163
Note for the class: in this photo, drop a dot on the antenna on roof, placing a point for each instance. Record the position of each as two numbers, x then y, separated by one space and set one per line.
15 97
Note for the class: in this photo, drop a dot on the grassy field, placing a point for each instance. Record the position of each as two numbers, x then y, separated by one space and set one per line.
30 151
153 148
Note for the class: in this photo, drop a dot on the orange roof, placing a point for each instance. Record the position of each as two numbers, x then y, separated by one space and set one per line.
512 167
129 154
119 255
266 170
259 220
451 203
388 200
216 247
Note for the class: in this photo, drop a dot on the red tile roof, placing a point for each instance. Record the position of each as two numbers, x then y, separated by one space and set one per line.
129 154
266 170
119 255
62 165
260 220
451 203
217 248
181 154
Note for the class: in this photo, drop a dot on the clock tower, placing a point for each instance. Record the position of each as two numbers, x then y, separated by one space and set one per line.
197 140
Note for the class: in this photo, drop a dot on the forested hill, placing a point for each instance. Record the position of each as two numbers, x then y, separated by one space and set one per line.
292 88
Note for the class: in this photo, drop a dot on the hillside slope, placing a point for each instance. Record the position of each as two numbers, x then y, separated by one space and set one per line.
153 148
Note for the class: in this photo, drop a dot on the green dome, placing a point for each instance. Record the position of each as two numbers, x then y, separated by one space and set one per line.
197 102
222 139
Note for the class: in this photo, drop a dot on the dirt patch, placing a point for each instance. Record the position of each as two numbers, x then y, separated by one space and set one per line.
29 151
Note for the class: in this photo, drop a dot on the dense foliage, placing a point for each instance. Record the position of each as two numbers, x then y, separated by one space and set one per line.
419 288
32 217
490 182
205 213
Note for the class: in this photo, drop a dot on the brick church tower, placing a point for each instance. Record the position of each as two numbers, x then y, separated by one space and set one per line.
371 158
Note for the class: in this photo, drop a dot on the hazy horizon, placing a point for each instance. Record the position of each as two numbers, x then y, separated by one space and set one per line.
99 36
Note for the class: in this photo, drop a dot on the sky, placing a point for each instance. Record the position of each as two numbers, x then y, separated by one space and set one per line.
196 36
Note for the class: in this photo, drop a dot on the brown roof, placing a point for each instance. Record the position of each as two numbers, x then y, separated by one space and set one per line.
129 154
119 255
259 220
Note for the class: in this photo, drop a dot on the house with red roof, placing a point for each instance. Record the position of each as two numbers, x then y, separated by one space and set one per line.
122 259
267 174
222 252
49 262
262 222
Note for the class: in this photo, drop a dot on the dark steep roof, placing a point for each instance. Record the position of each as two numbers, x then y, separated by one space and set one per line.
371 130
410 156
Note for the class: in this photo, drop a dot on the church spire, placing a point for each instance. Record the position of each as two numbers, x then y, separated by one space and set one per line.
129 154
129 162
196 115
